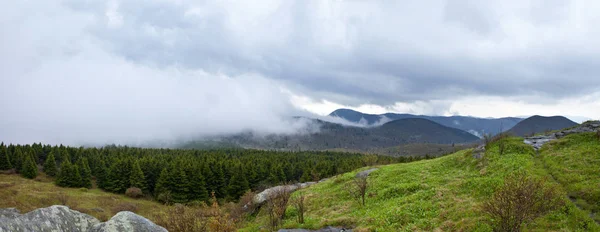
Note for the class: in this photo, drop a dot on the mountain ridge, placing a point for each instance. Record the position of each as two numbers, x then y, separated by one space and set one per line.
473 125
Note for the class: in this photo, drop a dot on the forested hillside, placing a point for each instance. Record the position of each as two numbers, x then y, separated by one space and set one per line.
178 175
336 136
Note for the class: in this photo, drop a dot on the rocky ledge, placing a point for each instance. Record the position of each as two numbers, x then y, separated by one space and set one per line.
538 141
61 218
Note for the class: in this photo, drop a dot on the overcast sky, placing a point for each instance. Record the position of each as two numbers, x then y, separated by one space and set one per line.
80 71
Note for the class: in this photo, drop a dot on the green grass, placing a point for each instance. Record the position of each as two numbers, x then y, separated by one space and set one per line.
443 194
574 161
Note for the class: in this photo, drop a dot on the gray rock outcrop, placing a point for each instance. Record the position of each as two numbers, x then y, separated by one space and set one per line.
365 173
263 196
127 221
538 141
61 218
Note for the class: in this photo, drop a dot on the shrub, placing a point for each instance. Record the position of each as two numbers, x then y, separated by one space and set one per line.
276 205
520 200
134 192
299 202
358 189
182 218
125 207
63 198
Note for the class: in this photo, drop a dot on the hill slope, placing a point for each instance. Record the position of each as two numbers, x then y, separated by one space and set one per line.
538 124
474 125
446 194
337 136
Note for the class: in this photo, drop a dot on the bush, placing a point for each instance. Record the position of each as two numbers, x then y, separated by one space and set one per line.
63 198
134 192
520 200
182 218
125 207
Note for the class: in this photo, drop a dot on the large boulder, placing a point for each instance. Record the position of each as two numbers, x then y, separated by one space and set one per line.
61 218
127 221
53 218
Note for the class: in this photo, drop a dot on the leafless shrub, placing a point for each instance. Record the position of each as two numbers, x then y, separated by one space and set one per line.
298 202
220 220
126 206
520 200
358 189
244 207
63 198
134 192
183 218
276 205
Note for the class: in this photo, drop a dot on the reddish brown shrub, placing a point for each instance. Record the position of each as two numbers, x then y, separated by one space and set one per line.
134 192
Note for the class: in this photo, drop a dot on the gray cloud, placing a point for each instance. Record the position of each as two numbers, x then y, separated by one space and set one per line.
118 66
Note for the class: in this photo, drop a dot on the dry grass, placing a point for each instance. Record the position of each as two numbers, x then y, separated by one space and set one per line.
27 195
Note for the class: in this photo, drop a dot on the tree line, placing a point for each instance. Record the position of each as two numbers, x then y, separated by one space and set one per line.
179 175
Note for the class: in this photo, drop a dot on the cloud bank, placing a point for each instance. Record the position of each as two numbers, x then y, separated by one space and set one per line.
79 71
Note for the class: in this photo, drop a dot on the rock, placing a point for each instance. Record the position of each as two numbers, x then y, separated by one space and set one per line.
365 173
538 141
267 193
9 213
326 229
324 179
127 221
61 218
479 151
53 218
264 195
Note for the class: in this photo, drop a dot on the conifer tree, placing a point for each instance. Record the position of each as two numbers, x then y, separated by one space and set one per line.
101 174
18 159
50 165
4 160
179 186
162 185
137 177
238 183
85 173
68 175
29 168
197 187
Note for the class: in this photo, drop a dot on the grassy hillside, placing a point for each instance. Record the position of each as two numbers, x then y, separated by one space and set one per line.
574 161
446 194
26 195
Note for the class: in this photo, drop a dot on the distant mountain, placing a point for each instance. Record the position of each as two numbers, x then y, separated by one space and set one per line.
538 124
473 125
331 136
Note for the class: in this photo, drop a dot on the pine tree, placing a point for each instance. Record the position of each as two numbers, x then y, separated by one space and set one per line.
101 174
238 183
68 175
162 186
197 185
85 173
4 160
137 178
218 183
29 168
18 159
179 186
50 165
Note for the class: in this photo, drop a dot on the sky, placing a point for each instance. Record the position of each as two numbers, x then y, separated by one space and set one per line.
88 71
